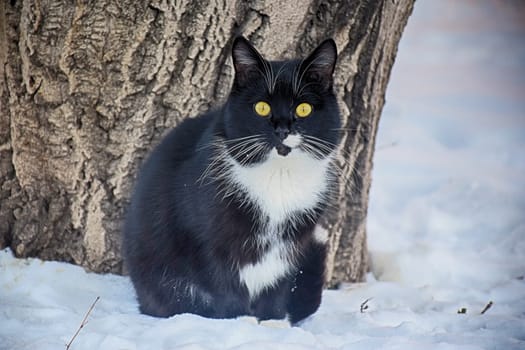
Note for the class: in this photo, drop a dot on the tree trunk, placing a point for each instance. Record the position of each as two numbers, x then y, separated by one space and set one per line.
88 88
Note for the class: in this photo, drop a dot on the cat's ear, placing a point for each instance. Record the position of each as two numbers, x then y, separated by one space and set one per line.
320 64
247 61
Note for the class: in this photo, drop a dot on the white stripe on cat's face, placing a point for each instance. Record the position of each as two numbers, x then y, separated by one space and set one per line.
292 141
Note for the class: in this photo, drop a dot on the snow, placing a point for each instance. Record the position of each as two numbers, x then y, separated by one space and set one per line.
446 220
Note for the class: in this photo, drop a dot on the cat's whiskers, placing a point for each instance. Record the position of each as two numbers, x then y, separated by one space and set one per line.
218 163
241 145
317 147
329 145
267 74
235 189
240 139
276 77
293 79
267 79
259 149
217 160
347 175
312 151
321 141
334 171
219 168
272 78
320 149
249 151
344 129
295 75
211 144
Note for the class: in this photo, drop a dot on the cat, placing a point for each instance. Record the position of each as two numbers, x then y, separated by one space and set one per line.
222 221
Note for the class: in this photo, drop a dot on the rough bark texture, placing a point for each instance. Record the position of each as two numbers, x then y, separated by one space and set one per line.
88 87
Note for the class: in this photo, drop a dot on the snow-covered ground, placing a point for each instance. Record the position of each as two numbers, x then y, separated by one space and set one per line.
446 220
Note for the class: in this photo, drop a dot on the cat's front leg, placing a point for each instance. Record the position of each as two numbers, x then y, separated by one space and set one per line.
271 304
305 293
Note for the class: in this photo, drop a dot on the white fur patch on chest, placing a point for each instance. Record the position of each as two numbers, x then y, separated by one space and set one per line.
274 264
280 186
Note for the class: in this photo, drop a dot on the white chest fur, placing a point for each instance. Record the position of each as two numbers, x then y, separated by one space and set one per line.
281 187
276 263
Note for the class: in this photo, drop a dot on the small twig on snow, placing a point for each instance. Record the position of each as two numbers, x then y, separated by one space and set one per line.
364 305
388 145
486 307
83 323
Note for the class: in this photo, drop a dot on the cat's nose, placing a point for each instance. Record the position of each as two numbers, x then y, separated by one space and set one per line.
282 132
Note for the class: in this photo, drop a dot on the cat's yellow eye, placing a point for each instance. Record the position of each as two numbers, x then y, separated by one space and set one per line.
262 108
303 110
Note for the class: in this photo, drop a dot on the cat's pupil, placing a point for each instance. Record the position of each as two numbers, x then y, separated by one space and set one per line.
262 108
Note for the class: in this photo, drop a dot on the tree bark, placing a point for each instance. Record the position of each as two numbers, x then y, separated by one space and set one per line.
89 87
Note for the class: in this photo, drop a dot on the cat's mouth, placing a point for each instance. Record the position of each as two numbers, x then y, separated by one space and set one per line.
284 146
283 150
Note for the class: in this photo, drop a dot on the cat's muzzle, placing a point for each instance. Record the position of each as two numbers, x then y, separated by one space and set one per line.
282 149
281 133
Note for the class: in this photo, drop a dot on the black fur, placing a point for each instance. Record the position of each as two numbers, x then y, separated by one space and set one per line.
188 230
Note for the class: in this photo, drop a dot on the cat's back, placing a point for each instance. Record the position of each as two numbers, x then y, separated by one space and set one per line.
182 142
179 146
161 179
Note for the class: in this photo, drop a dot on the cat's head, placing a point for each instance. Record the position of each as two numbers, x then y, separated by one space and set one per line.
281 106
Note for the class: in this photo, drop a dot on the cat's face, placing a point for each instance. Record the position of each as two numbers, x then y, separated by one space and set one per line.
281 107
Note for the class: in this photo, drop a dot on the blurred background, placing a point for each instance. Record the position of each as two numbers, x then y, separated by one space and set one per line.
447 200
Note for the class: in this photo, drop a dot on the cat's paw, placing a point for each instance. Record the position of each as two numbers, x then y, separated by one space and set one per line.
276 323
248 319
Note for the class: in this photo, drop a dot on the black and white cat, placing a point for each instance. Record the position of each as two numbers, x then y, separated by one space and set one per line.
222 221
